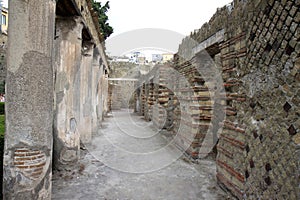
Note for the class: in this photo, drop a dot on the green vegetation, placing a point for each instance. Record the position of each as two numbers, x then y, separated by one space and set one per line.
101 11
2 130
2 125
2 108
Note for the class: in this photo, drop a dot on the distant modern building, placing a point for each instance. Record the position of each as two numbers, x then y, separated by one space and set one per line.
141 60
4 20
3 41
120 59
167 57
157 58
133 57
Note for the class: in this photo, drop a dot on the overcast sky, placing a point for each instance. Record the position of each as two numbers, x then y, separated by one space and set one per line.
5 2
182 16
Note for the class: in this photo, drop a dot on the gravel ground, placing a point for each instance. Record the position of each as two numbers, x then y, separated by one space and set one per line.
125 161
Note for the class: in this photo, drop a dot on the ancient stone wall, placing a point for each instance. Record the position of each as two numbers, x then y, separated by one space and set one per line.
27 162
227 49
67 91
127 90
254 45
80 81
3 49
116 98
270 79
155 89
57 88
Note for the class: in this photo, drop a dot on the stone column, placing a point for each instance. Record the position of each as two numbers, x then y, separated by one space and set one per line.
86 88
105 93
29 100
100 95
95 92
67 91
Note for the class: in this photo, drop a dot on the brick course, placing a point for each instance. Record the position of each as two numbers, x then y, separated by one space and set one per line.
259 60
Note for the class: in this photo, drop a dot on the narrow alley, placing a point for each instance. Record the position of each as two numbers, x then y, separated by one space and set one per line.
149 113
106 171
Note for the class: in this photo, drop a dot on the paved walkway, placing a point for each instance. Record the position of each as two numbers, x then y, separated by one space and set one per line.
127 159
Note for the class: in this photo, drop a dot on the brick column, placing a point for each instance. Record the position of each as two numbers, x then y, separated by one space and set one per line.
29 100
68 44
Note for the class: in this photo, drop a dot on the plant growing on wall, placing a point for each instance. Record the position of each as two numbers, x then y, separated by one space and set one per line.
101 11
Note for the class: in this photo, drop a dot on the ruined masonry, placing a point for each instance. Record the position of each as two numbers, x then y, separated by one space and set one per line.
121 92
235 80
57 88
255 47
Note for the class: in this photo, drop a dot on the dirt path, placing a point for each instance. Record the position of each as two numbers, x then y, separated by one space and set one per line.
131 161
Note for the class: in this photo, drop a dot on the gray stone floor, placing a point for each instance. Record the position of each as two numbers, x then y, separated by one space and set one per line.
128 160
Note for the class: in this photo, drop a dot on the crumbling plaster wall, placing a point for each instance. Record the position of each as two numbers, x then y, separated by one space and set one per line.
29 101
81 79
55 84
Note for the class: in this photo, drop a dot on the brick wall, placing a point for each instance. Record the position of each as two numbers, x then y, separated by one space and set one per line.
271 80
154 96
255 46
30 162
258 149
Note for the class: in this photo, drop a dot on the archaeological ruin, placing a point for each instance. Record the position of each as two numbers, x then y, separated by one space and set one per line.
57 84
231 92
255 47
